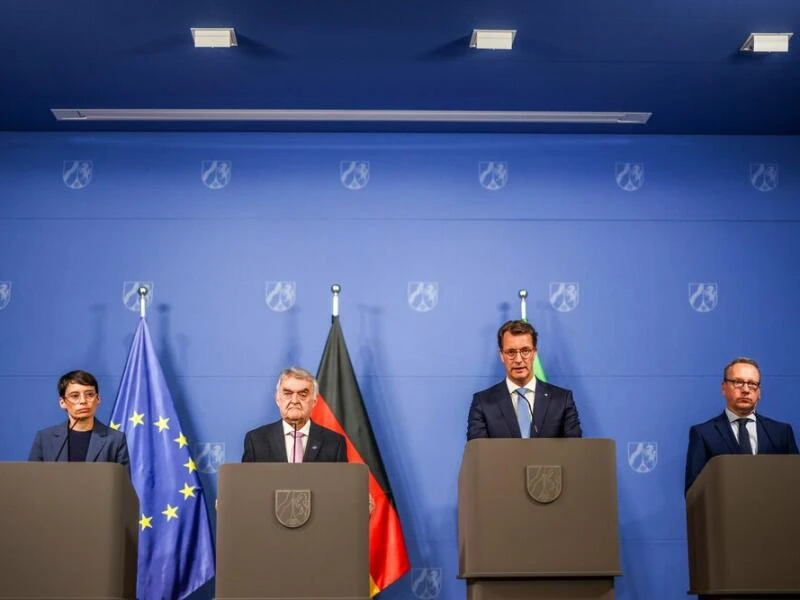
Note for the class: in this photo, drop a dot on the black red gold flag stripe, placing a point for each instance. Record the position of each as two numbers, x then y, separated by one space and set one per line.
340 407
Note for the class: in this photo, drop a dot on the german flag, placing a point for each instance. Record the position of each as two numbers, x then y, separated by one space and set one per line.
340 407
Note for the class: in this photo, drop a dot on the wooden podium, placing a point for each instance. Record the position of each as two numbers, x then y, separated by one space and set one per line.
538 519
743 528
69 531
293 531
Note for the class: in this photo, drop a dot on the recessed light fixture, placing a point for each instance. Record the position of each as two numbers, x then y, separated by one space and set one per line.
492 39
766 42
213 37
380 116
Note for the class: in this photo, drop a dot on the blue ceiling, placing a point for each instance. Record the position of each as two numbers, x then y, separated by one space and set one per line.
678 59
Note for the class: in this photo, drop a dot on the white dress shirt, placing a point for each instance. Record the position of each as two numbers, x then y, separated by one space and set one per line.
288 436
751 428
529 396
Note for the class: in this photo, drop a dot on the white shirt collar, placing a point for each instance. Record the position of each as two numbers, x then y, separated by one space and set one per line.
305 429
513 387
733 417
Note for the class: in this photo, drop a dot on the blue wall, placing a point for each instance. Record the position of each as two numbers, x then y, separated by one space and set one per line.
643 362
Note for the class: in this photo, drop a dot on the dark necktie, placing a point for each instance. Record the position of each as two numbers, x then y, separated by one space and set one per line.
744 437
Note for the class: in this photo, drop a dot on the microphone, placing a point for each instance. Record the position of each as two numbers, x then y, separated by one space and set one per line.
66 440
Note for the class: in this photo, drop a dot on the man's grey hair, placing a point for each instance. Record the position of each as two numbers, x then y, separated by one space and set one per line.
298 373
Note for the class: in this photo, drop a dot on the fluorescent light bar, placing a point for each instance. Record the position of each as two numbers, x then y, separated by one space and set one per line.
213 37
433 116
766 42
492 39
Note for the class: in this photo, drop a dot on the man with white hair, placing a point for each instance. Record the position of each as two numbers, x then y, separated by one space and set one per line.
295 438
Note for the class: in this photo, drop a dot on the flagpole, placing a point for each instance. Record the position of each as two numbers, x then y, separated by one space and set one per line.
523 307
142 291
335 289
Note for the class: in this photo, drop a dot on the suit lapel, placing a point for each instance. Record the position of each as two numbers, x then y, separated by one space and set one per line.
541 404
97 440
57 441
764 438
723 427
503 400
277 442
314 444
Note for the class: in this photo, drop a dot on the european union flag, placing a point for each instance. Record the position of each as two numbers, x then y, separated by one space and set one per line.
176 551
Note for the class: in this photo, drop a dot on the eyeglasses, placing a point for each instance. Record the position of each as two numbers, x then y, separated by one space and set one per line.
75 397
740 384
525 353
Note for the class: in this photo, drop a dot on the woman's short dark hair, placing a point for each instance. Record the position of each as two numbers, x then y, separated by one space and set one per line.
79 377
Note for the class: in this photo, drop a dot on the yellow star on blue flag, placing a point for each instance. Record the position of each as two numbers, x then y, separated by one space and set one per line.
188 491
146 522
176 553
171 512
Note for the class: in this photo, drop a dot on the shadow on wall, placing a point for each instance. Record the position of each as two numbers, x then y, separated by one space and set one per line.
168 362
96 352
378 403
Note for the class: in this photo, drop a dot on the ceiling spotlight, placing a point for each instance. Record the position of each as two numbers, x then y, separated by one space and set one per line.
213 37
766 42
492 39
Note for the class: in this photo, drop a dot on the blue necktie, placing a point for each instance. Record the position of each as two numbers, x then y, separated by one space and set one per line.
523 413
744 438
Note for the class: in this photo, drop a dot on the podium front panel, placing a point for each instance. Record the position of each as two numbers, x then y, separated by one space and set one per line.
67 530
743 525
541 589
505 532
326 557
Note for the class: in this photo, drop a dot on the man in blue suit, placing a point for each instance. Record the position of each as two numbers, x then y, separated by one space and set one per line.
738 430
82 438
295 438
522 406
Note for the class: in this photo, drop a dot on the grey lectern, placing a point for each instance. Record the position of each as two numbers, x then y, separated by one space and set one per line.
743 526
293 531
69 531
538 519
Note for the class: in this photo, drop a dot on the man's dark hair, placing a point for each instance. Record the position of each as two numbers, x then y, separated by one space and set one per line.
79 377
738 360
518 327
